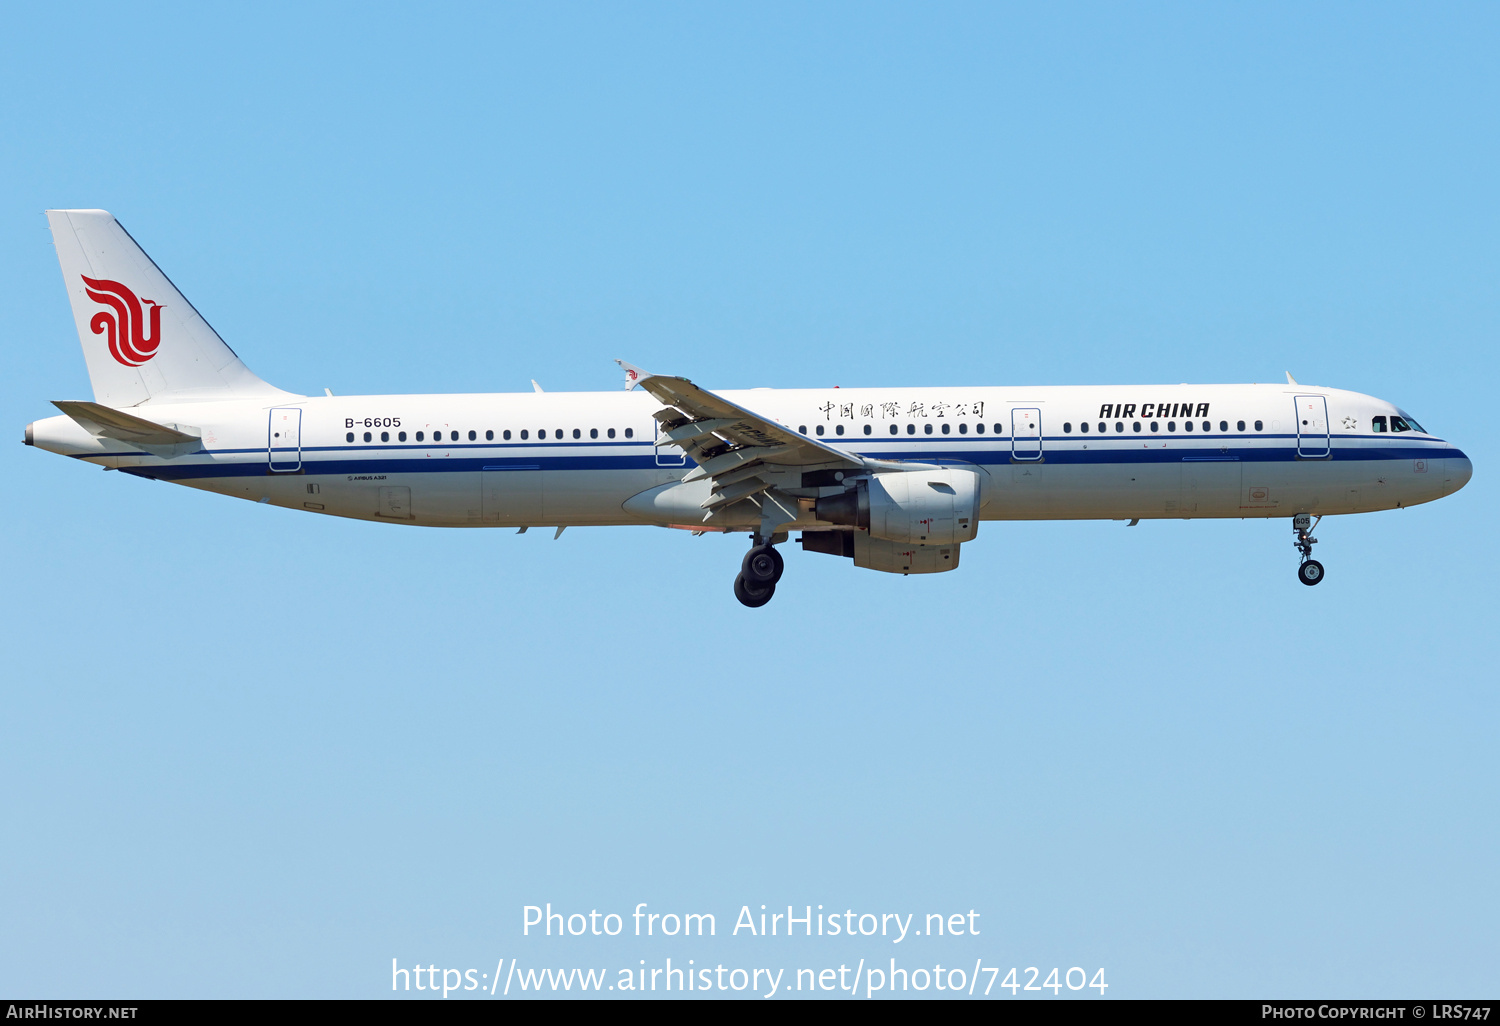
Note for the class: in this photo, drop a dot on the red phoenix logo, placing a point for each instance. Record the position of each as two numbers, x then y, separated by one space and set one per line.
130 342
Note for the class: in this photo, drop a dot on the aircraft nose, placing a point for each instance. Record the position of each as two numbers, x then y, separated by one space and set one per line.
1459 470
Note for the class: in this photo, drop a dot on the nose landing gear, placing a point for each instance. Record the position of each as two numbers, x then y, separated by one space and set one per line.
1311 571
760 571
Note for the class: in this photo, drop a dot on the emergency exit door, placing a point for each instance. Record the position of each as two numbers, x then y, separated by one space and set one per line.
668 455
1026 434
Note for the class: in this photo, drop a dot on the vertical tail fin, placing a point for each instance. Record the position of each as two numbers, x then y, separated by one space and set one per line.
141 338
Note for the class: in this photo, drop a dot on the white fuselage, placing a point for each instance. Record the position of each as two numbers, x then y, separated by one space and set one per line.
586 458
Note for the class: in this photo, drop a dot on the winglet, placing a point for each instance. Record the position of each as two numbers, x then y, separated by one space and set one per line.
633 375
1289 379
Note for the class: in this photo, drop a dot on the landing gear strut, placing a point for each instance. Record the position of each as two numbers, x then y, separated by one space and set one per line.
1311 571
760 571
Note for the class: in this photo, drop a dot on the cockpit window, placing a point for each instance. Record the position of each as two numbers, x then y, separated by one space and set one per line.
1377 424
1413 424
1397 424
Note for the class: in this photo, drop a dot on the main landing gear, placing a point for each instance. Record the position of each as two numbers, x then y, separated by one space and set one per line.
1311 571
759 573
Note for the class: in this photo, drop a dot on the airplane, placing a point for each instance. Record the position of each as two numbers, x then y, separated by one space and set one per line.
895 479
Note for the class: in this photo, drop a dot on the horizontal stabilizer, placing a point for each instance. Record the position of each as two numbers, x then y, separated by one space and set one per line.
105 422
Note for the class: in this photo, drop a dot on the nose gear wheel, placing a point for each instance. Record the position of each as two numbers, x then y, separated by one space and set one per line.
1310 571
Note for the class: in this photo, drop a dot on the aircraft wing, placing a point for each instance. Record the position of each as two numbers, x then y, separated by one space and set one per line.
748 457
703 421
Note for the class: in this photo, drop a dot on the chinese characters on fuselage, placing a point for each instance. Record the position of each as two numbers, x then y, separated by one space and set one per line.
893 410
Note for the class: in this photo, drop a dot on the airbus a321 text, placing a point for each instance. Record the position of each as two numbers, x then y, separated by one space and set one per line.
894 479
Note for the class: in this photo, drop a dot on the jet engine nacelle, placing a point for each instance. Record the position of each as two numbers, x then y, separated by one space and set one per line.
909 507
877 554
896 558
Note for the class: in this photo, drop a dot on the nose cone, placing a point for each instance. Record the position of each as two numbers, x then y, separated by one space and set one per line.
1459 470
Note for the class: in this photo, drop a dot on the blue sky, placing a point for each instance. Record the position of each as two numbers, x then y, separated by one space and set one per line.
251 753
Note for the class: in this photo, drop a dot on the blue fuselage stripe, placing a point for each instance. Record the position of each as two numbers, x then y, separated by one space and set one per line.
400 460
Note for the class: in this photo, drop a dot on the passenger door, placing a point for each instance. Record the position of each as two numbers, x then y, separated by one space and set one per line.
284 440
1312 426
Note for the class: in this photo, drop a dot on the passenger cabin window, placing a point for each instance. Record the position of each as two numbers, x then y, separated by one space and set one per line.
802 428
819 429
453 437
593 432
630 432
894 429
911 429
927 429
1207 426
839 429
504 434
577 433
868 429
489 436
979 429
1084 427
473 436
947 428
1171 425
609 432
1187 425
1259 425
1239 425
963 429
349 437
1119 427
525 434
1136 427
1067 427
385 436
401 437
367 436
1155 426
1101 427
1223 427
